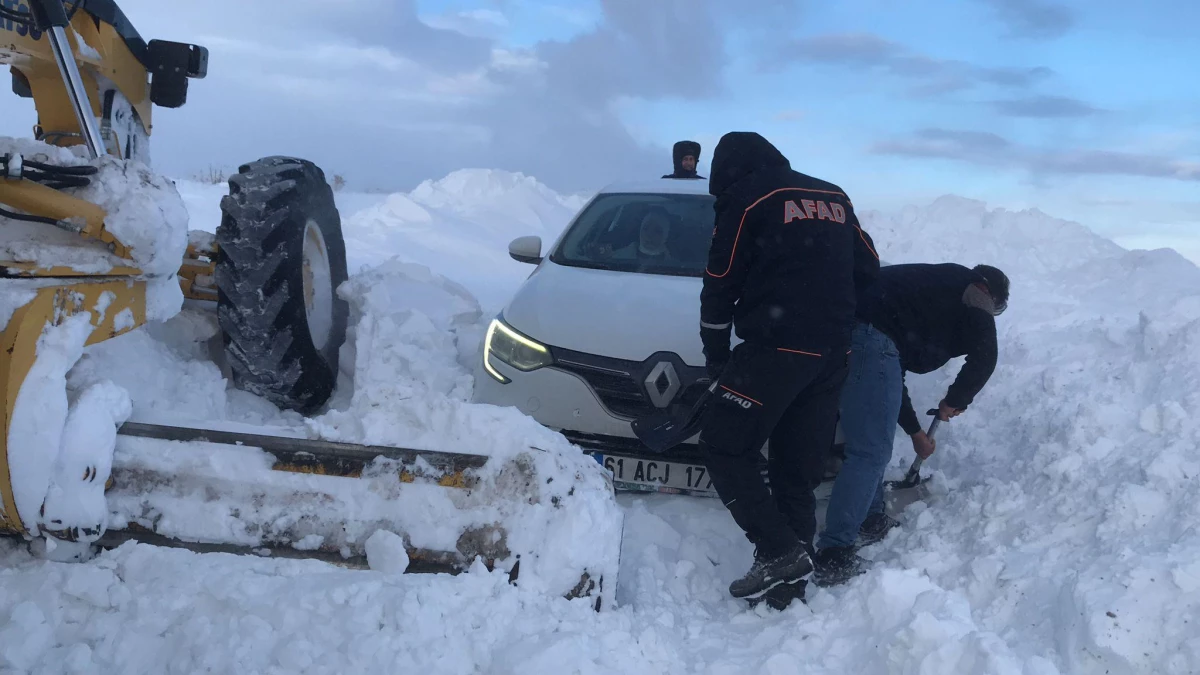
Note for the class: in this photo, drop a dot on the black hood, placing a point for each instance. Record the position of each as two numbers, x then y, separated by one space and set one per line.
739 154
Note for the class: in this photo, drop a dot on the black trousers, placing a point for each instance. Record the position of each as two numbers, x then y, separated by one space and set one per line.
790 399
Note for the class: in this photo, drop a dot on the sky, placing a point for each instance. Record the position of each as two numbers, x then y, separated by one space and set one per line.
1086 109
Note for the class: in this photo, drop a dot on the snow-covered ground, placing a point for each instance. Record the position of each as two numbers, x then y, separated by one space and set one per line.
1061 535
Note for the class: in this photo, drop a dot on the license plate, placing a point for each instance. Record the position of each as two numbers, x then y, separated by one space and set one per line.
655 475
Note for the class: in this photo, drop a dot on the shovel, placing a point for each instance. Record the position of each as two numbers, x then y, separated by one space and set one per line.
913 477
663 430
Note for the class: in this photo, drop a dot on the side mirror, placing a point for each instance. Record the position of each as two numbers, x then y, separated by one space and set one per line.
526 249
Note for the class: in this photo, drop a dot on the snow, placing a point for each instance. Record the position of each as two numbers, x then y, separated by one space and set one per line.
88 439
13 298
411 387
1059 534
386 553
1070 483
409 379
170 375
40 414
143 210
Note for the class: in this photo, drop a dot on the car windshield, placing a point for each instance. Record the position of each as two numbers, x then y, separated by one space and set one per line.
647 233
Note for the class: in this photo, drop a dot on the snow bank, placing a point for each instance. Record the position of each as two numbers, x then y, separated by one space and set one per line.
1067 497
496 200
144 212
460 227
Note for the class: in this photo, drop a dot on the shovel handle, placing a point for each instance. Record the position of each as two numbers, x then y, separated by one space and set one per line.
914 471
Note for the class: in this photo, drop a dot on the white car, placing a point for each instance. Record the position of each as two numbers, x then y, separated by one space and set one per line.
607 329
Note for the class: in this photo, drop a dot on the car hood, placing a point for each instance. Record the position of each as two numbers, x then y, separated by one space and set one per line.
615 314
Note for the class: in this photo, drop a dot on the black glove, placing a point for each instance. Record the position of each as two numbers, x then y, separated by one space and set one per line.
716 350
715 368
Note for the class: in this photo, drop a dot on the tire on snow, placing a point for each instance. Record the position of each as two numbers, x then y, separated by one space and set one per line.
282 321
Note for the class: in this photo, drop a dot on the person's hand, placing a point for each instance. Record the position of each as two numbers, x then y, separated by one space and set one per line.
945 412
923 445
716 367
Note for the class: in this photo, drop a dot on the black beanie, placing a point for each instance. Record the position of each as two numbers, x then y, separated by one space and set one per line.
683 149
997 283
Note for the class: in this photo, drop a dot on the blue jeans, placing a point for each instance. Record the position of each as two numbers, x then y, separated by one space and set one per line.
870 406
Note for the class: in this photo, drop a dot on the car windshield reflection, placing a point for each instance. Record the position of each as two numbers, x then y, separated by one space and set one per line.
647 233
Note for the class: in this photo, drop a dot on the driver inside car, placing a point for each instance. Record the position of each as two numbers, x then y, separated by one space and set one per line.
651 245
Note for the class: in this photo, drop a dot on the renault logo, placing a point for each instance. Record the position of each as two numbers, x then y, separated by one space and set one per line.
662 384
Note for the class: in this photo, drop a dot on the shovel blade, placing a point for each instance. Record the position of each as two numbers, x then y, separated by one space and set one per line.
905 483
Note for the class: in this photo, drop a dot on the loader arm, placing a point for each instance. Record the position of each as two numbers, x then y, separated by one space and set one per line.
122 75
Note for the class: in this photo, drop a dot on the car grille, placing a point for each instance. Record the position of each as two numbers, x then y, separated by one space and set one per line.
619 384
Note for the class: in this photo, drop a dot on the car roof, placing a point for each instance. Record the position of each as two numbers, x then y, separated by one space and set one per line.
680 186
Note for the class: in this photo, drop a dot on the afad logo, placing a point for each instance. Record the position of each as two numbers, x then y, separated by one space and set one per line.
21 29
730 396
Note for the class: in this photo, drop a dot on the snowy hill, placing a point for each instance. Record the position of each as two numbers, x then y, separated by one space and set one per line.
956 229
497 200
1060 538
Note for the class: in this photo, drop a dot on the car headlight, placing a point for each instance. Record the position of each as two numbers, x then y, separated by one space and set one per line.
511 347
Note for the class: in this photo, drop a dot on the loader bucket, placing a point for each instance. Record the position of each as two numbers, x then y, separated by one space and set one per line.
286 496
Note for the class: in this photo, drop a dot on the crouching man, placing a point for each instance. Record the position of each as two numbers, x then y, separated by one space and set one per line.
785 263
914 319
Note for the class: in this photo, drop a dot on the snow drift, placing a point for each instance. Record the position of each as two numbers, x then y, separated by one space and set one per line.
1060 536
460 227
1067 510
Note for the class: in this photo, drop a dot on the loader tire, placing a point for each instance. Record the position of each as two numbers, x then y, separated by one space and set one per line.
280 260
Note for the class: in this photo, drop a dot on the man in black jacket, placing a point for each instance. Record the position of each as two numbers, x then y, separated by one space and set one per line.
914 319
685 155
785 264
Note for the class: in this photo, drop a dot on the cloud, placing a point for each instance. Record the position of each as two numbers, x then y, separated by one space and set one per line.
474 23
1045 107
638 52
989 149
374 91
927 75
1034 19
979 147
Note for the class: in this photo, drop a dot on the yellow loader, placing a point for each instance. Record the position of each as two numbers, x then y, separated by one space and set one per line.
270 274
